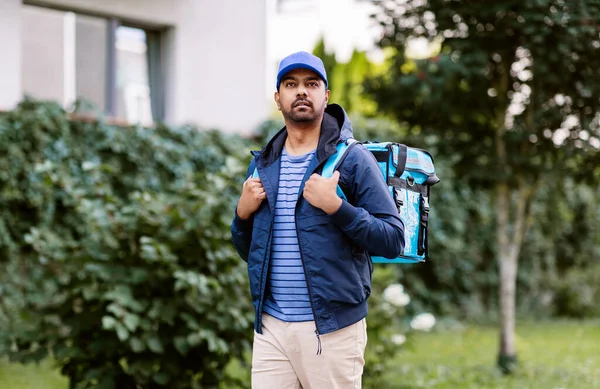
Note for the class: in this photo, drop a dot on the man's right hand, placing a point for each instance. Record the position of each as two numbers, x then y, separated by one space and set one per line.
252 196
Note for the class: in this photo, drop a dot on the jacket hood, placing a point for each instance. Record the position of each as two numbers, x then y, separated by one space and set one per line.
335 127
343 121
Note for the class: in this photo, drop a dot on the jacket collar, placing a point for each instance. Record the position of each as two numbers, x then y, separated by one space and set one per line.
328 138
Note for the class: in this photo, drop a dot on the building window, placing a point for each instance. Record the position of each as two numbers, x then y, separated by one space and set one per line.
132 81
115 67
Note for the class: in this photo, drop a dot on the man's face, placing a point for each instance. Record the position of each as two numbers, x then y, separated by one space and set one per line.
302 96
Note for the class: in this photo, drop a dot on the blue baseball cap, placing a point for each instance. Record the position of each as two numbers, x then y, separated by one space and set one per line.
301 60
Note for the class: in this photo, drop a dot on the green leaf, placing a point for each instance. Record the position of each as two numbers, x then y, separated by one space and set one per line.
181 344
131 321
155 345
106 382
94 373
161 378
90 292
122 332
137 345
109 322
122 294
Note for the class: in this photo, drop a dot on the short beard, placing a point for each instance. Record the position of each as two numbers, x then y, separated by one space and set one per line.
303 117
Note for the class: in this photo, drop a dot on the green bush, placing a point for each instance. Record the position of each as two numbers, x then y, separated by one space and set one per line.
386 325
115 249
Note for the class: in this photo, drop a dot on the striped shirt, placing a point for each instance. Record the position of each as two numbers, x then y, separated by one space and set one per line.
287 297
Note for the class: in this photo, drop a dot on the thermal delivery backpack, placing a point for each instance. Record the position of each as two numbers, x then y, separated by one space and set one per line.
409 173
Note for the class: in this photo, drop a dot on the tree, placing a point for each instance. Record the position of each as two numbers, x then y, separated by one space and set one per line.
512 98
328 58
346 79
347 84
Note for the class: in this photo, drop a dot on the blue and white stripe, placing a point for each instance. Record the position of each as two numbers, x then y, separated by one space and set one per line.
287 297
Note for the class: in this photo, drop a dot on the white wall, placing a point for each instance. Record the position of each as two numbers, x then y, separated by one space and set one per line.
220 62
165 12
216 54
10 49
43 54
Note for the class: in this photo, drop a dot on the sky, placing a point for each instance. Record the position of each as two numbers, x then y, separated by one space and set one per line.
345 24
299 24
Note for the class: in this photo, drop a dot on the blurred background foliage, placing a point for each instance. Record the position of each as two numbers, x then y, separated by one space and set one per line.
116 253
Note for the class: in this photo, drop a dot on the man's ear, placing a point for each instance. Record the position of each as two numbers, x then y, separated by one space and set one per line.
327 96
276 98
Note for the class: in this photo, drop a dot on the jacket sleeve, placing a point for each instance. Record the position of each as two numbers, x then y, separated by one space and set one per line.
369 217
241 230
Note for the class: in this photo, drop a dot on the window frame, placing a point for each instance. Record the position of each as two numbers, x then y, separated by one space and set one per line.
155 35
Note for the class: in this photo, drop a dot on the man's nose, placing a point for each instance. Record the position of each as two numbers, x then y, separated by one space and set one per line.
301 91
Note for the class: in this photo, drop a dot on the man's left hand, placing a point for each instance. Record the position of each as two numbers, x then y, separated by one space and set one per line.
321 192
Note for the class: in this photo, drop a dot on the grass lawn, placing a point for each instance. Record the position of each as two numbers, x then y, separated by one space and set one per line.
553 355
43 376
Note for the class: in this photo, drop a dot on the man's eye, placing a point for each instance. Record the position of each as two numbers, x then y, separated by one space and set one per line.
289 84
313 84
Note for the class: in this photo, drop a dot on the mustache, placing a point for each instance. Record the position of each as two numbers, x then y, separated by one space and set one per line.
299 101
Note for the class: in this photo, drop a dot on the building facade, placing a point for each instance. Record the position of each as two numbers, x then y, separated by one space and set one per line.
177 61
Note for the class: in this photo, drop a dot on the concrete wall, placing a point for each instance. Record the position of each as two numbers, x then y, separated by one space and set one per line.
215 55
43 59
10 49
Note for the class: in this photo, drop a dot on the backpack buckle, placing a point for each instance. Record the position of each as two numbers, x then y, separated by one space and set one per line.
399 201
425 204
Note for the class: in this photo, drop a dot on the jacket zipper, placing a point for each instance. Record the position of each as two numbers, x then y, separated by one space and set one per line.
307 284
312 307
319 349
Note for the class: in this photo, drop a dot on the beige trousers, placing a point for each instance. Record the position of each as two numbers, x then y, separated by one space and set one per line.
285 356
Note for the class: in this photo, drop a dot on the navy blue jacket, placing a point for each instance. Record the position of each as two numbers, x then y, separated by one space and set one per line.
334 248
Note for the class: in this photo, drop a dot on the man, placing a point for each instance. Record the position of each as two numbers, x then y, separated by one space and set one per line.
307 249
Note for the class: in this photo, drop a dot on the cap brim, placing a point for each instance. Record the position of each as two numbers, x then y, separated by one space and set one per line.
294 66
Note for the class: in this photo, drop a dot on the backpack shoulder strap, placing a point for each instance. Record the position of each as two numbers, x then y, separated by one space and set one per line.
336 159
253 166
402 157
